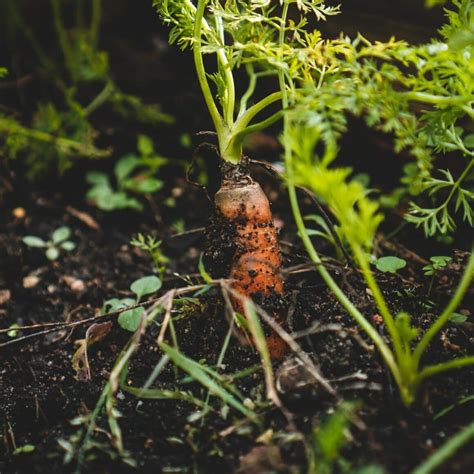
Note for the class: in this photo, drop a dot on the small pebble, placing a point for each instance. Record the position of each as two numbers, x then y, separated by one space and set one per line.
30 281
76 285
5 296
19 213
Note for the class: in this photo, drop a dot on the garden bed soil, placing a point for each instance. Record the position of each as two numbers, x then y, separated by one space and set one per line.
40 394
39 391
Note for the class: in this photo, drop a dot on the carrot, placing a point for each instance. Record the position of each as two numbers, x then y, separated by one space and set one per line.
255 265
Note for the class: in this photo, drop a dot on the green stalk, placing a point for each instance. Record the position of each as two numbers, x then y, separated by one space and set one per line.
229 103
452 305
200 70
446 450
63 40
250 89
437 99
95 22
431 370
29 35
379 300
64 144
100 99
261 105
314 256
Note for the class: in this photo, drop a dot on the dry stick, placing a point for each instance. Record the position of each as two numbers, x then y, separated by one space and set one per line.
294 346
168 305
58 326
229 312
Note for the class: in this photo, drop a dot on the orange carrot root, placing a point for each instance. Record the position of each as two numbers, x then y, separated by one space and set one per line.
255 266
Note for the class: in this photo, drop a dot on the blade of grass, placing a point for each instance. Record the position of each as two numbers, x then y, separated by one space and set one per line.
446 450
200 374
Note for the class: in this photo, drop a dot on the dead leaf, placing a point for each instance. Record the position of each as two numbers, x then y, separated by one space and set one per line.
262 460
5 296
87 219
80 360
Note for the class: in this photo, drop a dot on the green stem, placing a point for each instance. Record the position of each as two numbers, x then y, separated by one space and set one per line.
256 127
250 89
437 99
100 99
247 117
452 305
229 102
65 144
458 182
95 22
431 370
201 71
379 300
446 450
63 40
29 35
383 348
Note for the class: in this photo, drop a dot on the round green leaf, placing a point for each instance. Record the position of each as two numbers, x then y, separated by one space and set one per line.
390 264
129 320
52 253
148 185
125 166
68 245
114 304
145 145
33 241
61 234
145 286
97 178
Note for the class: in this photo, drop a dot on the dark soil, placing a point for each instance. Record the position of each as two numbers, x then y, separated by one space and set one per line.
39 392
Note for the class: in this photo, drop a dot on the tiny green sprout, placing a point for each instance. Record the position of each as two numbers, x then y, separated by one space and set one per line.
53 247
13 332
25 449
134 174
437 263
130 319
458 318
390 264
153 247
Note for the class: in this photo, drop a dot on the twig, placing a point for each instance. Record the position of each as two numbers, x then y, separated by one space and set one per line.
61 325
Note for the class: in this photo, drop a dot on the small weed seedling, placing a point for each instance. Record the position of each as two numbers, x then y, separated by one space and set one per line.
389 264
59 242
153 247
438 262
134 173
130 319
